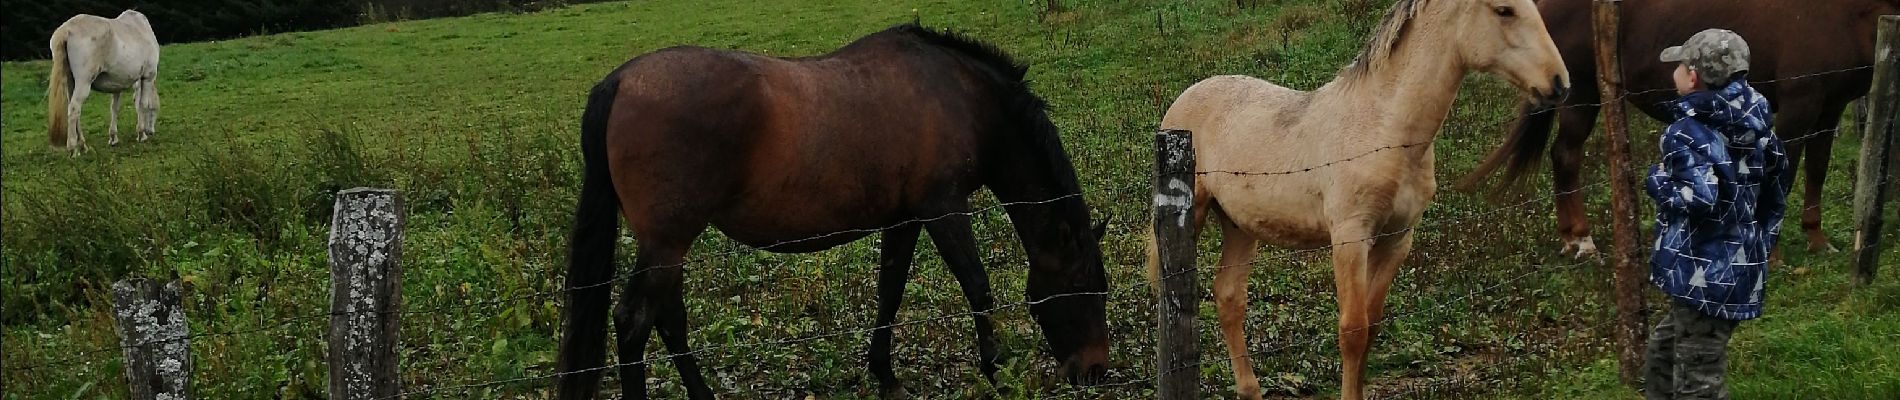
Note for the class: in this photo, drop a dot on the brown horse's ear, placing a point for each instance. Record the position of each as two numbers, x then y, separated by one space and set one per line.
1100 229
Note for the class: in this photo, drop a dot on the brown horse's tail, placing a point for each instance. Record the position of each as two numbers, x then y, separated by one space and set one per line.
590 253
1520 151
59 90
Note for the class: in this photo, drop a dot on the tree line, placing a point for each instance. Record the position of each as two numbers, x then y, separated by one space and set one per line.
27 24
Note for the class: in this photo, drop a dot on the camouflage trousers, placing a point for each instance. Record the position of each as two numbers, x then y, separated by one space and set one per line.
1687 356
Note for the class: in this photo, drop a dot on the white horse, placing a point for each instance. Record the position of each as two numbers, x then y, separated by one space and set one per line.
108 55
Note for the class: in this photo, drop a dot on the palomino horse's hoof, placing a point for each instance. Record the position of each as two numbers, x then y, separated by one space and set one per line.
113 142
1579 248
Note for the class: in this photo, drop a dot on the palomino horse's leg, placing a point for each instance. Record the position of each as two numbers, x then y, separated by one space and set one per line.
894 260
112 123
146 100
1352 278
1237 250
1566 167
1386 256
1796 124
958 246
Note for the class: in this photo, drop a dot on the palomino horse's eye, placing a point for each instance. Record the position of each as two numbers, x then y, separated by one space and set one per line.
1505 11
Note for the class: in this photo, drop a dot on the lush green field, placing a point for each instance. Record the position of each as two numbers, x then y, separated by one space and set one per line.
475 119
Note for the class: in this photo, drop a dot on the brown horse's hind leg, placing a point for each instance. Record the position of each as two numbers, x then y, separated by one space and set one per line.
958 245
1351 277
1230 301
899 248
1566 174
653 295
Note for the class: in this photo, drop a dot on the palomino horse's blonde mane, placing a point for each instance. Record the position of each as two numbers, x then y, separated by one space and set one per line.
1385 38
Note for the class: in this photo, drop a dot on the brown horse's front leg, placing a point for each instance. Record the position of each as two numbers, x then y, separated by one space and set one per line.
1799 126
958 245
1566 168
1351 277
899 248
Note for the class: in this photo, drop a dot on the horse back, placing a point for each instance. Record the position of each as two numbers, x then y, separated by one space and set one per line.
1821 46
771 149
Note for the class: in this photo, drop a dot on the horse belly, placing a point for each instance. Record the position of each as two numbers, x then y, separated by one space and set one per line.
110 82
1273 212
799 220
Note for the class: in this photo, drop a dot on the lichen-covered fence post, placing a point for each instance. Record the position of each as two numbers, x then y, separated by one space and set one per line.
1178 351
155 337
365 293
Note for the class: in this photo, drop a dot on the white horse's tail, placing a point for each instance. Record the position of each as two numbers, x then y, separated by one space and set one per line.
59 90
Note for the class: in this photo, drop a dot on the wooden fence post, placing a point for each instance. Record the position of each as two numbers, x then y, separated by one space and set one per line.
1876 151
1630 271
1178 354
365 293
155 337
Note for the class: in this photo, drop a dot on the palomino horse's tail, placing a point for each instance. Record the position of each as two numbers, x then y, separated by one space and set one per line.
59 90
590 252
1520 150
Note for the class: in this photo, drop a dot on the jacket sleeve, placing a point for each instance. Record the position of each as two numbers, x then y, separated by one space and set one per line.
1772 202
1686 181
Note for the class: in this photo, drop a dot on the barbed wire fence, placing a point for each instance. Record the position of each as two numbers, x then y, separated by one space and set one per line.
1289 358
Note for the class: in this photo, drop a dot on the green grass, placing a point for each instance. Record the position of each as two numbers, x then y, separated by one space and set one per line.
475 120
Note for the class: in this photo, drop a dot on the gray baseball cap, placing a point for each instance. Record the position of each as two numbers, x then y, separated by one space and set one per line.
1714 54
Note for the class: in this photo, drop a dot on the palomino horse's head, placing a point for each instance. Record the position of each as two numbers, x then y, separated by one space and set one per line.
1507 38
1068 294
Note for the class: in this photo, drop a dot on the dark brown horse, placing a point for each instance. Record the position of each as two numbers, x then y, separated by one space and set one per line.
1810 59
890 134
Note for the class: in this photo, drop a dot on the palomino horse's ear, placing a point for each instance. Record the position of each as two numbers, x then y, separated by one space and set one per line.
1100 229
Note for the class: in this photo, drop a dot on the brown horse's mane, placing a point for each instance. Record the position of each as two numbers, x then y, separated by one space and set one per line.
1386 37
984 53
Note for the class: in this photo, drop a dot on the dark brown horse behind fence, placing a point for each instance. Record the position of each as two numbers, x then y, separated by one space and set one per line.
1809 58
889 134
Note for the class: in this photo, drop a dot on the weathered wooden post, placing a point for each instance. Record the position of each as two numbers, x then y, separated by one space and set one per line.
1630 272
365 293
1178 355
1876 151
155 338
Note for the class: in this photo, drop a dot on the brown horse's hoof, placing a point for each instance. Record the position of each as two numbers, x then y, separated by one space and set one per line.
1579 248
894 392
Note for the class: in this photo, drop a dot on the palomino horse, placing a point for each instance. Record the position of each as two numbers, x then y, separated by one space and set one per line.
1810 61
108 55
891 133
1364 142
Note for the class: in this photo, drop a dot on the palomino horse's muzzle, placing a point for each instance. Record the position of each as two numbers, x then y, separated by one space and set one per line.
1558 91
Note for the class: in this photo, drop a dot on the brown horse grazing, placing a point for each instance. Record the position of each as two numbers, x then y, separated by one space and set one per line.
891 133
1360 148
1809 59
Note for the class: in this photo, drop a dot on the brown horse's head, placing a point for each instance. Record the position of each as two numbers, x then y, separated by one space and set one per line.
1068 294
1507 38
1032 175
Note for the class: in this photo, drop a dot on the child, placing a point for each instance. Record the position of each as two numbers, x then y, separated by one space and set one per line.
1719 195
